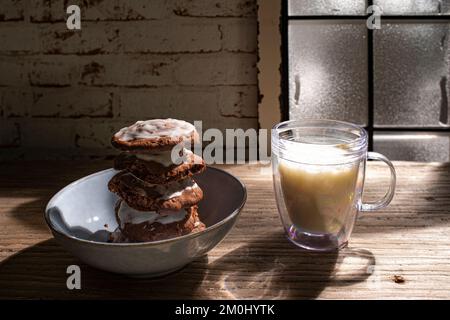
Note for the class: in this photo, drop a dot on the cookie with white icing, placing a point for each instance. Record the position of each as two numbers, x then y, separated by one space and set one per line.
144 196
138 226
156 169
155 134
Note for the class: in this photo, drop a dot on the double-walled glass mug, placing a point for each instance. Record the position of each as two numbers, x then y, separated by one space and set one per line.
318 174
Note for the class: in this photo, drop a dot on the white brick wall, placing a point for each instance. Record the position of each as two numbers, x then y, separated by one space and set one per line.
63 93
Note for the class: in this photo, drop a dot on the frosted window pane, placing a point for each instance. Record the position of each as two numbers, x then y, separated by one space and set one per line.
328 70
419 146
411 74
327 7
410 7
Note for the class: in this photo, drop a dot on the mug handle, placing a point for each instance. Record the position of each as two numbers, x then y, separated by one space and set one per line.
387 198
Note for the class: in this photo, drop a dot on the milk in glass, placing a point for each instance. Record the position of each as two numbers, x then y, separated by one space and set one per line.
319 188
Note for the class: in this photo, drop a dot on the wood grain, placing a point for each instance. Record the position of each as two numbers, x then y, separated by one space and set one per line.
400 252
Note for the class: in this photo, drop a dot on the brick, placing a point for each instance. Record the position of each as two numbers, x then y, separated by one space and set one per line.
180 35
9 134
55 70
11 154
121 70
132 70
72 103
216 69
47 133
187 103
215 8
44 10
64 93
223 123
12 10
191 104
2 106
124 10
56 38
101 70
96 134
16 102
95 10
239 101
239 34
69 135
193 35
19 37
93 38
13 71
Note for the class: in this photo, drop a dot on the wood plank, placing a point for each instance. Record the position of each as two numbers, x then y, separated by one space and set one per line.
410 238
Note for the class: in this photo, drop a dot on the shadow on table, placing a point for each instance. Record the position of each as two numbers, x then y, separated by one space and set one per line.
266 268
421 198
273 268
39 272
31 214
33 183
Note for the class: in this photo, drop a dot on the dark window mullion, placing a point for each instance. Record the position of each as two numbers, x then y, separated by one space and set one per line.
328 17
365 17
370 72
284 99
422 129
370 102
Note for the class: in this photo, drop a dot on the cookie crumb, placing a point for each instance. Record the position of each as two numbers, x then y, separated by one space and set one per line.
398 279
106 225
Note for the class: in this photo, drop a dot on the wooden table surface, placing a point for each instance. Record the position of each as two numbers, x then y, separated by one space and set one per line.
401 252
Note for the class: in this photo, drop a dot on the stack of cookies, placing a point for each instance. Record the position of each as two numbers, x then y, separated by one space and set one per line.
158 196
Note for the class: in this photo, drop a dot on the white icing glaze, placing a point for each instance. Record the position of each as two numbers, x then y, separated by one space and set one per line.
156 128
166 191
164 157
175 189
129 215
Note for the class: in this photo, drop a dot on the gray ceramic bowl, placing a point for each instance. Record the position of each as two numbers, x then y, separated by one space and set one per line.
81 216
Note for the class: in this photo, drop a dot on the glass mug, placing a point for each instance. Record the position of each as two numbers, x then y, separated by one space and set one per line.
318 174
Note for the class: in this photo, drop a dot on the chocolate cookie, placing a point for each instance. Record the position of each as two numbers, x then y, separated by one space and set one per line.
148 197
139 226
153 171
155 134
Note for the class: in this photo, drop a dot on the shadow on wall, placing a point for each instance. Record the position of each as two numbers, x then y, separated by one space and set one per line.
63 93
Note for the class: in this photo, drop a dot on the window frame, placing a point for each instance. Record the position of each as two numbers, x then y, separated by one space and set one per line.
371 129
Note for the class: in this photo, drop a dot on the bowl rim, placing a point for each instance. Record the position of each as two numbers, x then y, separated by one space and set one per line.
50 225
